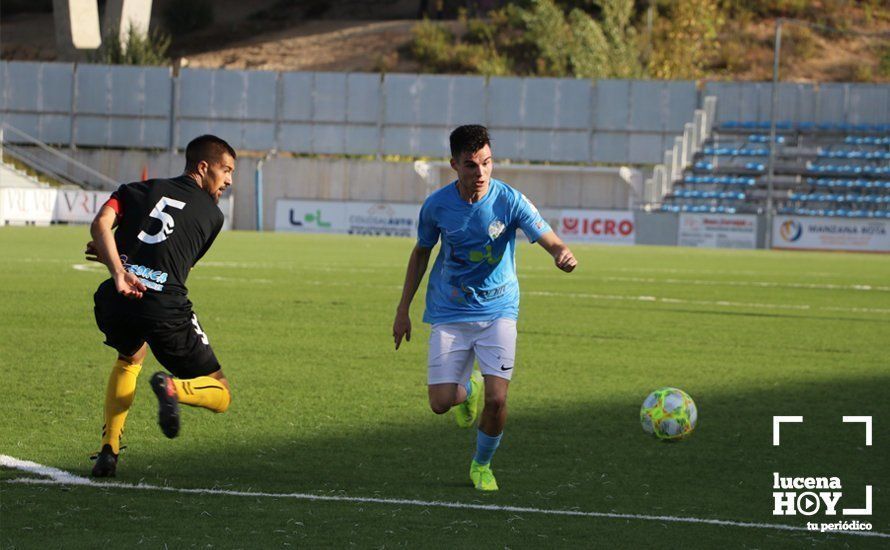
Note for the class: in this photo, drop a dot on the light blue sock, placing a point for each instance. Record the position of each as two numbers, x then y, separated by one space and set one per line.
486 445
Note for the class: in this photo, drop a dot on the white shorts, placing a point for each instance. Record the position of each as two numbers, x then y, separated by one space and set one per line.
454 346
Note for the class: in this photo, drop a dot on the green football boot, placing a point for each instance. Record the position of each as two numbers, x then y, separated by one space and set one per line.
482 477
467 412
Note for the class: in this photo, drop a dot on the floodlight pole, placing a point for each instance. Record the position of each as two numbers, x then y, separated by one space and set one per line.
258 187
771 162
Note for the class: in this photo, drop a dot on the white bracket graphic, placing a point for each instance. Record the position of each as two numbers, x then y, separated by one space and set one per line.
861 511
777 421
867 421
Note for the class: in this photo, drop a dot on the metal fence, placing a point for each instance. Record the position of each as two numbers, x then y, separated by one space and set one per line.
532 119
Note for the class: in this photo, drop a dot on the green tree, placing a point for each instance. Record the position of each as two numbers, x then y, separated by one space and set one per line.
684 45
618 46
138 49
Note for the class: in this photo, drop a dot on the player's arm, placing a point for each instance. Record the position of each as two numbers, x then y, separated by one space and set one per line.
101 230
562 256
91 252
417 264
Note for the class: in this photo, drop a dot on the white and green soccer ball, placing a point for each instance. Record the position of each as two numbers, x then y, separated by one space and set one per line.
669 414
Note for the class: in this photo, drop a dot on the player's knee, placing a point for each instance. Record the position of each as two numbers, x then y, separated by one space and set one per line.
136 357
440 406
495 403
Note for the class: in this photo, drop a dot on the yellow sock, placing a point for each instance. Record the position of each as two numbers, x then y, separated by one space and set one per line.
203 391
118 398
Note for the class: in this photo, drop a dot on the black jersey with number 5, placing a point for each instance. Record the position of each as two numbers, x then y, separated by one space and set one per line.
165 226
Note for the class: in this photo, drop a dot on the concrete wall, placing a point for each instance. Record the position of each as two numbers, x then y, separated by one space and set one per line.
364 180
558 186
657 228
357 180
661 228
531 119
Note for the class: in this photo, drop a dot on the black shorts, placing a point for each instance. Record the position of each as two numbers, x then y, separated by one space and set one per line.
179 343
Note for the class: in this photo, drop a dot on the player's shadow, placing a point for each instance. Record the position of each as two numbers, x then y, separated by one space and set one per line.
590 455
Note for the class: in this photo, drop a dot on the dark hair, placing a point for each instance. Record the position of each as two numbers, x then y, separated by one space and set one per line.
207 148
468 138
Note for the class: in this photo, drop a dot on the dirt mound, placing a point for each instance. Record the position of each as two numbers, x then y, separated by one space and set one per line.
373 36
350 46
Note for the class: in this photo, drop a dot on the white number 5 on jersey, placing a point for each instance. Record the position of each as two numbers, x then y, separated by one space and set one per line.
166 219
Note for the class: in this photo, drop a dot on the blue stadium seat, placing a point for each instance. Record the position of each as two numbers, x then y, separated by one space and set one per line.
851 177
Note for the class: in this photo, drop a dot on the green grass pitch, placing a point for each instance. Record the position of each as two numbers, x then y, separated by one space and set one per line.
324 405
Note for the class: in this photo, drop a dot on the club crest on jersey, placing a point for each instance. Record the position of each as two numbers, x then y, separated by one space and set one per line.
495 229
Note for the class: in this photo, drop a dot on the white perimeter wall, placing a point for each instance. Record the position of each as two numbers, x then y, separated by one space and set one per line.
370 180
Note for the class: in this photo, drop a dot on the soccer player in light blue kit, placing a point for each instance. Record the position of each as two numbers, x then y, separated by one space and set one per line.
472 299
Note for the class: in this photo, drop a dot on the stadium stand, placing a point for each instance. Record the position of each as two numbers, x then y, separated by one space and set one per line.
53 165
821 169
10 176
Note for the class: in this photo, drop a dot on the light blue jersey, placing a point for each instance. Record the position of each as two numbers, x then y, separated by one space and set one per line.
474 276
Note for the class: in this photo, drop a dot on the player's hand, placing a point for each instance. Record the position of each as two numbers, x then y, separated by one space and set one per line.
565 260
92 253
401 327
128 285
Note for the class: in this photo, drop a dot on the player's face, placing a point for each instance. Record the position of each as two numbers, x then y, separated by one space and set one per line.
217 176
474 171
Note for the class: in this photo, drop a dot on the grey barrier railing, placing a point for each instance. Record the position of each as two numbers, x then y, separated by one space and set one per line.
532 119
54 164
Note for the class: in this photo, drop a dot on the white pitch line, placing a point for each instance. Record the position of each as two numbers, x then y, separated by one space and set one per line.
60 477
631 298
89 267
757 284
621 297
647 280
235 279
199 276
54 474
722 303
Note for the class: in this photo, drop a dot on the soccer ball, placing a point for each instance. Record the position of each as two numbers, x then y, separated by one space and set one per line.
669 414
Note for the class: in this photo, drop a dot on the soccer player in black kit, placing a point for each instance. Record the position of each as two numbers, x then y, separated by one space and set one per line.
163 227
